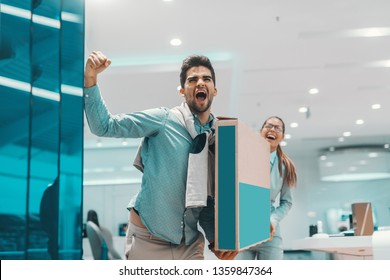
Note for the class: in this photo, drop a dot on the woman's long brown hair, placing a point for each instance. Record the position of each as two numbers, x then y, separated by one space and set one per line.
290 177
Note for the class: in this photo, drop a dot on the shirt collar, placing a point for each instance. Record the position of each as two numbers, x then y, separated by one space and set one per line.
201 128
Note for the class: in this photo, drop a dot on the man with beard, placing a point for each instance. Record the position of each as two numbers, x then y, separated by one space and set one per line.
175 157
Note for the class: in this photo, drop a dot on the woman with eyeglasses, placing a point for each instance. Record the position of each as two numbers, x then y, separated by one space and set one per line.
283 178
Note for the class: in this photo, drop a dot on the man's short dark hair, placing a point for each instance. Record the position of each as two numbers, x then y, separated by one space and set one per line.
193 61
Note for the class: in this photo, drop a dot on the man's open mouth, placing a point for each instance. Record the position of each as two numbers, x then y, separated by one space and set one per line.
201 96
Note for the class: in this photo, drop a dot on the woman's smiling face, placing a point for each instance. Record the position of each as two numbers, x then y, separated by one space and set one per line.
273 132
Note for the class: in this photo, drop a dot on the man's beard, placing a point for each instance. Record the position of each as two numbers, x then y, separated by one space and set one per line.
197 109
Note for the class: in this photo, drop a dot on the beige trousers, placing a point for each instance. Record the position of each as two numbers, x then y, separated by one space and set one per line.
142 245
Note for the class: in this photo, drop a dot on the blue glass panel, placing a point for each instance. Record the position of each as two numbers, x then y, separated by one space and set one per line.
36 121
14 129
43 192
15 46
48 9
22 4
71 150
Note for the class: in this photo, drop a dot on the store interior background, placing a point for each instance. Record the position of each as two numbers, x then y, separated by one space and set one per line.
268 55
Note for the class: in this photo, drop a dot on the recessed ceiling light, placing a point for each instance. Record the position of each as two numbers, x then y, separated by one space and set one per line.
341 139
175 42
359 121
376 106
386 146
373 155
294 124
323 157
302 109
314 91
283 143
287 136
347 134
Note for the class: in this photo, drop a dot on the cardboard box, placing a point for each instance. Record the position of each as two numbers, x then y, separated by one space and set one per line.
242 186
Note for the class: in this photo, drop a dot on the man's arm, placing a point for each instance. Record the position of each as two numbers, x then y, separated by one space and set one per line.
104 124
96 63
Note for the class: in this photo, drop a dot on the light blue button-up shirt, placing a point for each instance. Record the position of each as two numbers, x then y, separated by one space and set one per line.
278 186
165 151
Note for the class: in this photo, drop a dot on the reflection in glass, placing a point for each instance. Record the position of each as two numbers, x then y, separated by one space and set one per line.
15 89
41 64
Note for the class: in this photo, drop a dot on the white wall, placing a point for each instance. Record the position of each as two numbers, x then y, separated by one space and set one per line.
110 163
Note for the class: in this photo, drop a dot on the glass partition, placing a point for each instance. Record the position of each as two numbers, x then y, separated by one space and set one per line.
71 148
41 125
15 94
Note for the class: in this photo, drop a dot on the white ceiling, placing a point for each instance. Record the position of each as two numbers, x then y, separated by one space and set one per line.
267 55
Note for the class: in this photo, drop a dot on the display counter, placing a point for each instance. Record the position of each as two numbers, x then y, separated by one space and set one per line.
376 246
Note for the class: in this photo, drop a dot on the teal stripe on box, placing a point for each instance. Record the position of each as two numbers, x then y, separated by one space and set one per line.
226 187
254 214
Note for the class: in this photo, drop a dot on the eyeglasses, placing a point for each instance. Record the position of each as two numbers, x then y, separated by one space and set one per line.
277 128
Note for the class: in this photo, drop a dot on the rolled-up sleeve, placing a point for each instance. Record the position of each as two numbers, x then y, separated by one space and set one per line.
134 125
